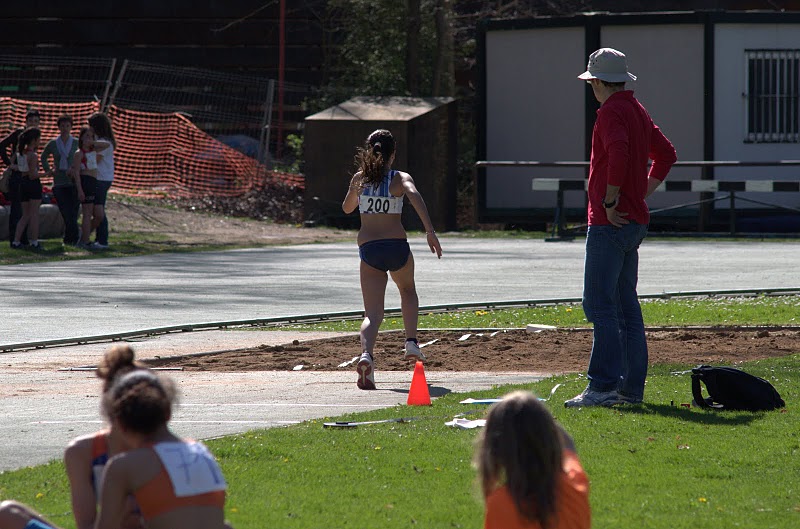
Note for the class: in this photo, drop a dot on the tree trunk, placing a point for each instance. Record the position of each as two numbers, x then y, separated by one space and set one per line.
444 72
412 46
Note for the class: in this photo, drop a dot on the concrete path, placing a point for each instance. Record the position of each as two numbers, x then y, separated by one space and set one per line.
42 408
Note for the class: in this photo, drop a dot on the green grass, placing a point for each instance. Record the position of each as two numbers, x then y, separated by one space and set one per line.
657 465
760 310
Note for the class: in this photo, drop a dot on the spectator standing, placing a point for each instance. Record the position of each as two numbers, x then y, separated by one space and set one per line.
8 152
66 182
30 188
84 163
105 177
624 139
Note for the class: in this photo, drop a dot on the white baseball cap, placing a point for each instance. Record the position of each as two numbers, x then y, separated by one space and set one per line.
608 64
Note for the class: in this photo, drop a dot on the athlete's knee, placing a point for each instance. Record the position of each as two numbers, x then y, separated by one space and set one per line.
407 291
374 319
10 509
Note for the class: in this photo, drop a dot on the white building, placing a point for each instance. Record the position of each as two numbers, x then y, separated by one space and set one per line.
721 85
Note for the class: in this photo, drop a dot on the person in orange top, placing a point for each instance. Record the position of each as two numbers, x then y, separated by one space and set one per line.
86 456
176 482
528 469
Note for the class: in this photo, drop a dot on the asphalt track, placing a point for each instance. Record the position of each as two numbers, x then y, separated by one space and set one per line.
93 297
41 408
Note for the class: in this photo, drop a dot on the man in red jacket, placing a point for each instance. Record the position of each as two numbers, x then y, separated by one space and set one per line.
623 141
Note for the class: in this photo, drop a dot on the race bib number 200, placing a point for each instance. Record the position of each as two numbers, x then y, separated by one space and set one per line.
367 204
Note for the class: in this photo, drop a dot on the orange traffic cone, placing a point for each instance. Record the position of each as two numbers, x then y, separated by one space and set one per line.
419 395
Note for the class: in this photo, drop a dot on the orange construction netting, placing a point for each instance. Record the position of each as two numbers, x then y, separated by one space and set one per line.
12 116
157 154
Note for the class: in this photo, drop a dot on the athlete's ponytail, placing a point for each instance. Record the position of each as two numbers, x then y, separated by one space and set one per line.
371 160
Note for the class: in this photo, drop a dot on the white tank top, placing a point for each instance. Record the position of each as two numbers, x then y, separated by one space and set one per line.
378 199
105 167
22 163
91 161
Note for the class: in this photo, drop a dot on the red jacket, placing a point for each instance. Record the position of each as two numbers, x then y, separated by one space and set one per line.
623 140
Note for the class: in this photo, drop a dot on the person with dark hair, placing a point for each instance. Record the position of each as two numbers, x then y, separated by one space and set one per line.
175 482
377 191
30 188
624 139
528 469
66 183
8 152
86 457
105 176
85 165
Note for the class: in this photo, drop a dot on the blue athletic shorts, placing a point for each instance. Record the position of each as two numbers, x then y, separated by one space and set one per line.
36 524
387 255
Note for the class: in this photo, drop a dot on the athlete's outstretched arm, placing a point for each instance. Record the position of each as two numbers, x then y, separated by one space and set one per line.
350 202
410 190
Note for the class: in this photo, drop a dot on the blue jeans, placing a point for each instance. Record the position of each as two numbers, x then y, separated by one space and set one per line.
610 302
100 200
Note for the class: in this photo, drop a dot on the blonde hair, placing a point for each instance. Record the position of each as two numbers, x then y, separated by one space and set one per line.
521 447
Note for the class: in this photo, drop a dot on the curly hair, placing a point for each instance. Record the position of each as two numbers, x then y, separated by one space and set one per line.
140 401
371 160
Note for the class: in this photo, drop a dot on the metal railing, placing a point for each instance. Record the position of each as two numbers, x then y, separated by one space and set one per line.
705 185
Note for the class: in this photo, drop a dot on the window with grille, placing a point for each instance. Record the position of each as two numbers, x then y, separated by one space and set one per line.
772 96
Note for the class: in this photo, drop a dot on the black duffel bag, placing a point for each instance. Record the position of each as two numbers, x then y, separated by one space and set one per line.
733 389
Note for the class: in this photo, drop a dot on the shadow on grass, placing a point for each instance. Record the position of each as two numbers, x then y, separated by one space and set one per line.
695 414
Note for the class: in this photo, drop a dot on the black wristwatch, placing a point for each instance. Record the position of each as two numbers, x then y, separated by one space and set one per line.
609 205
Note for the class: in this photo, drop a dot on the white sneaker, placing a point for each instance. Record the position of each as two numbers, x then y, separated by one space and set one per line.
413 351
366 372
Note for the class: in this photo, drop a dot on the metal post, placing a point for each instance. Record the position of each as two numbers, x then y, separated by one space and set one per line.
732 212
266 124
119 82
108 85
560 229
704 212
